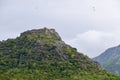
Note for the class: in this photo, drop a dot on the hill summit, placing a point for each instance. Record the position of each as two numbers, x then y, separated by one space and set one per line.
41 33
40 54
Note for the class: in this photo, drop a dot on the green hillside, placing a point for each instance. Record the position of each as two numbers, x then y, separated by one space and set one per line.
40 54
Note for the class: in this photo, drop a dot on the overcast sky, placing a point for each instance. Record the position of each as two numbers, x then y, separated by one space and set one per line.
91 26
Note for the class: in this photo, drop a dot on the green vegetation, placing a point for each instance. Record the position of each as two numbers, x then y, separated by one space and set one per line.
48 72
42 55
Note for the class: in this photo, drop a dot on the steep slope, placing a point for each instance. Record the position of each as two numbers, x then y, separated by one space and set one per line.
110 59
40 54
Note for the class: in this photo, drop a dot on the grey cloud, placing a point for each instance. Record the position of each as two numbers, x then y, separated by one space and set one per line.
68 17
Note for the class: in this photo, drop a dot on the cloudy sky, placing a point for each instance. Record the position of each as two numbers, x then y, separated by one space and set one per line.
91 26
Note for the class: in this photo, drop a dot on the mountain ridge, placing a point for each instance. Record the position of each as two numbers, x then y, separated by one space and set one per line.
110 59
41 54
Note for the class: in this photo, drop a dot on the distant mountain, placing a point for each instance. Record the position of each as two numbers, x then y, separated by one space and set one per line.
40 54
110 59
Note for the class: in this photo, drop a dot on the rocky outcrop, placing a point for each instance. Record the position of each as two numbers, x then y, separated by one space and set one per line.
41 32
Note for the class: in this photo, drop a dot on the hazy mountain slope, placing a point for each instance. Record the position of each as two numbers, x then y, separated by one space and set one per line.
110 59
42 55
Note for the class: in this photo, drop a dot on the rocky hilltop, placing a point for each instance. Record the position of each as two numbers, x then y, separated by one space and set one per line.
110 59
40 54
